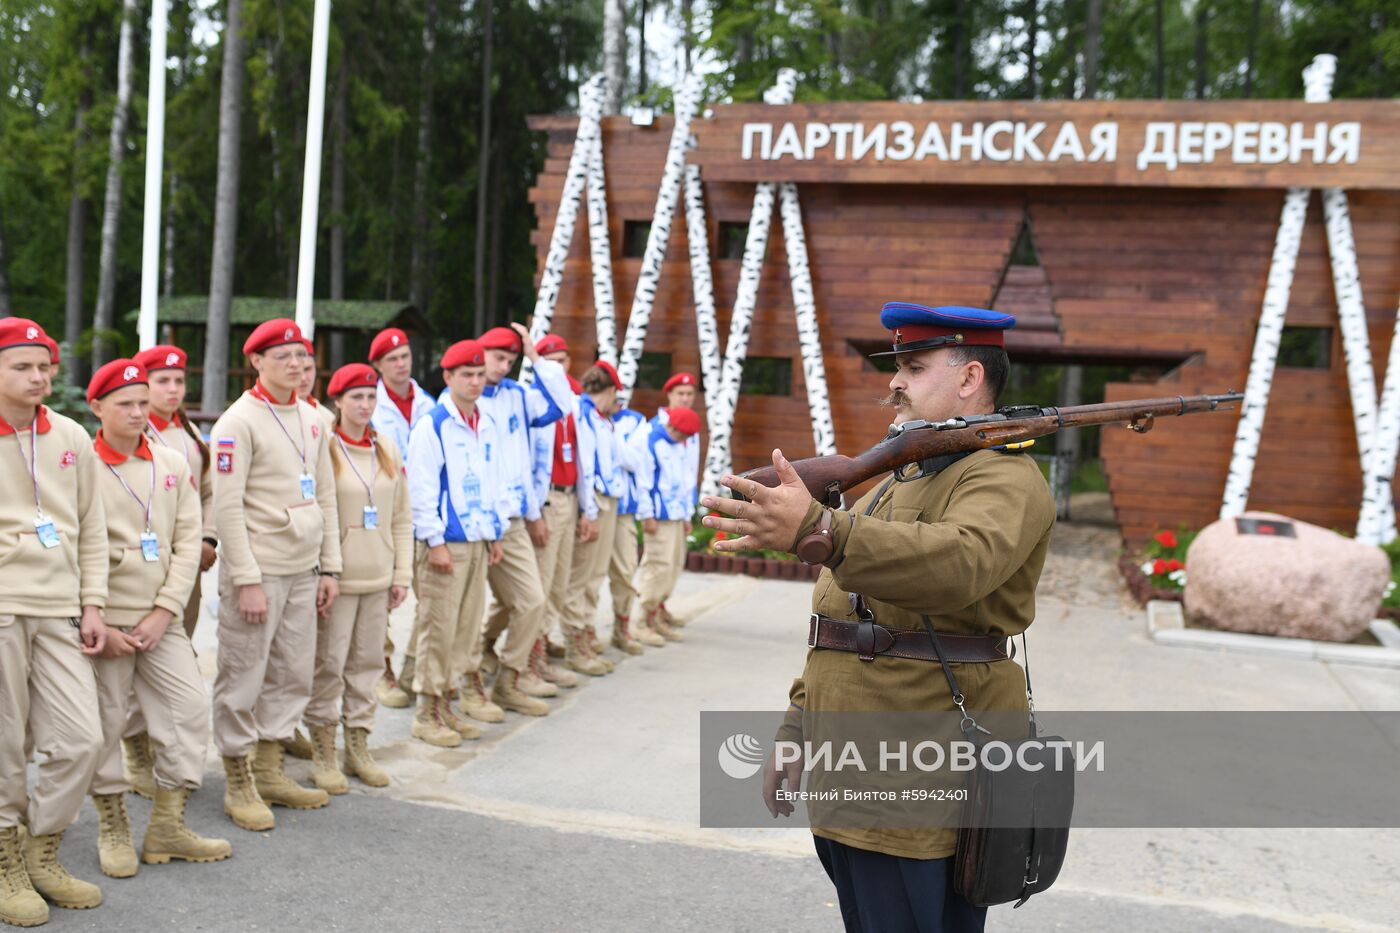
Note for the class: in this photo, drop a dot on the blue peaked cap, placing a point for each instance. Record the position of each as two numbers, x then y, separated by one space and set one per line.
919 327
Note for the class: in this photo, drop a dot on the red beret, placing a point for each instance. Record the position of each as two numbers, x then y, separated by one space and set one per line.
500 338
551 343
679 379
162 356
22 332
274 333
684 420
386 341
611 370
464 353
310 347
117 374
52 344
352 376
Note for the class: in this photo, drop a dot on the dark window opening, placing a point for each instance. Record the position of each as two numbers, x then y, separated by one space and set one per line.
634 238
733 234
653 369
1023 253
1305 348
767 375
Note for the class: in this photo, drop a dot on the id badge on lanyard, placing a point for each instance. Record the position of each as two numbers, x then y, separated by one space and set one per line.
371 518
150 547
308 486
566 450
48 534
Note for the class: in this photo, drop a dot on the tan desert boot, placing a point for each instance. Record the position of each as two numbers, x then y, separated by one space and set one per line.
52 880
241 801
643 633
541 668
168 836
577 657
622 639
428 724
327 776
490 662
388 691
593 641
463 727
508 694
674 621
278 790
20 904
299 746
115 852
476 703
358 762
659 626
140 764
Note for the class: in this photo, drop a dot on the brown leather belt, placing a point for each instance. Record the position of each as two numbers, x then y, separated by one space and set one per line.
868 639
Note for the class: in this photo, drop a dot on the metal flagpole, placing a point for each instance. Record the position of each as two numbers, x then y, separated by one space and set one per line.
155 163
311 177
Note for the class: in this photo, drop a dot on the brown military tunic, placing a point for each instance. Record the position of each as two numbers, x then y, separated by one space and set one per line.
965 547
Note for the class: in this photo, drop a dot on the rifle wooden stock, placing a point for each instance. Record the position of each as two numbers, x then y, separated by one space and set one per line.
827 477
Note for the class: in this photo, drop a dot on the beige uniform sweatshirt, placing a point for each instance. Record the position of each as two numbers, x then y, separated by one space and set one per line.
265 526
52 582
172 435
134 583
375 558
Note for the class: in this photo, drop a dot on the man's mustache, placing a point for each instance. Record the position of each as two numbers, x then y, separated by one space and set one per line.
894 400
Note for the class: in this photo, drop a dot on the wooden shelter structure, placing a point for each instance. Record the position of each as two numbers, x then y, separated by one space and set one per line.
343 331
1156 229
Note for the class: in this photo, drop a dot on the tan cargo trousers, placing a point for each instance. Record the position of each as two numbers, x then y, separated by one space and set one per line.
166 682
349 660
622 568
515 582
264 673
663 557
48 691
135 719
553 561
590 568
447 626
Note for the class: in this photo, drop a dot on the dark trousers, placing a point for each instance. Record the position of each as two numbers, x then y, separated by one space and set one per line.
887 894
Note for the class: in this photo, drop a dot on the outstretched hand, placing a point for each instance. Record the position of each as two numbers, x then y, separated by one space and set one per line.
770 519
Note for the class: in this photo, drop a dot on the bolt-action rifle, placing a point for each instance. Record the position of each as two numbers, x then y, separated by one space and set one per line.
913 442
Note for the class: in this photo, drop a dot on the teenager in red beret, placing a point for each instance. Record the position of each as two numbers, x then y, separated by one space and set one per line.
376 546
53 543
279 531
154 523
399 404
665 505
681 391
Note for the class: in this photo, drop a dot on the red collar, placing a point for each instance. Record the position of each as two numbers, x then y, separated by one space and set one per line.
113 457
474 420
396 396
160 424
41 423
258 391
310 400
366 441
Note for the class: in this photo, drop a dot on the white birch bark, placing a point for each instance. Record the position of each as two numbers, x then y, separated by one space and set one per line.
687 100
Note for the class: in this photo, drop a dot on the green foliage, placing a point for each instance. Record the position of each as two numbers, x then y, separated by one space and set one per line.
1392 591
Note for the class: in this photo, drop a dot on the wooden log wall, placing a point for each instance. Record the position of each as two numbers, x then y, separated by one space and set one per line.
1145 271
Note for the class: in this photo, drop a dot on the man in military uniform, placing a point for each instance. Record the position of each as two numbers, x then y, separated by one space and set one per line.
964 544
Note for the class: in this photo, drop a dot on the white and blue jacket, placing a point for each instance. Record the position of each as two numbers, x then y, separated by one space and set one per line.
519 409
543 441
663 492
454 479
610 477
692 460
626 423
389 422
